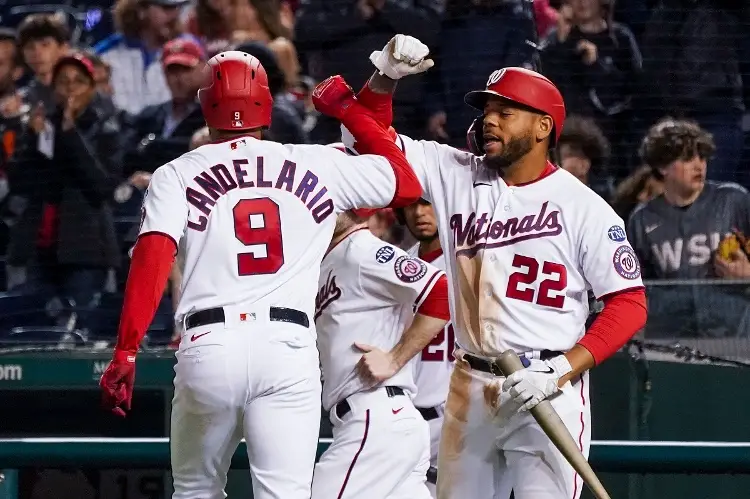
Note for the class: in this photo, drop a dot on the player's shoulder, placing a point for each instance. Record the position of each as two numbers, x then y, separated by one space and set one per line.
414 250
566 184
731 189
439 153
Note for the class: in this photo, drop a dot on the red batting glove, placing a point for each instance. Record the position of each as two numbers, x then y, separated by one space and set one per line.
117 383
335 98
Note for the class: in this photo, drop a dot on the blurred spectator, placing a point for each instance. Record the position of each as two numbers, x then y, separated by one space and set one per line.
691 70
65 238
162 132
337 37
676 233
12 108
286 120
595 63
43 40
545 17
639 187
143 26
583 150
102 74
476 38
222 23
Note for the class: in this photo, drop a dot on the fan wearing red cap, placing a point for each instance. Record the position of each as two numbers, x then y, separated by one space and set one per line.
253 219
525 244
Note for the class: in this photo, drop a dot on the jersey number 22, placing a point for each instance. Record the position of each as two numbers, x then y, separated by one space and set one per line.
551 290
257 223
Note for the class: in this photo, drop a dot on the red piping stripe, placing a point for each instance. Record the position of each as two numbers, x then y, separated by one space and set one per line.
356 456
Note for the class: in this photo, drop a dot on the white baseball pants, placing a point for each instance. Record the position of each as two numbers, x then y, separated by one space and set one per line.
260 381
380 450
488 448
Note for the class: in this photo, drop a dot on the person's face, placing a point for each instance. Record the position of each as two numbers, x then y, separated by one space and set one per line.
102 80
162 20
72 83
586 10
9 73
183 81
573 160
685 177
420 220
41 55
509 132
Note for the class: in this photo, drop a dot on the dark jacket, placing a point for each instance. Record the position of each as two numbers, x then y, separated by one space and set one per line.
690 62
79 180
336 39
146 146
606 87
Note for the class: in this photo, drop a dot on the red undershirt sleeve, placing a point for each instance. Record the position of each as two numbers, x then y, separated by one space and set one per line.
372 138
624 315
381 105
151 263
436 303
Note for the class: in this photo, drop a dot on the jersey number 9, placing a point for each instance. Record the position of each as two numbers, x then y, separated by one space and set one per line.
257 223
551 291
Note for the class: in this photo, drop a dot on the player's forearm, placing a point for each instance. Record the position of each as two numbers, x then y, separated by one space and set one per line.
378 100
416 337
153 257
624 314
381 84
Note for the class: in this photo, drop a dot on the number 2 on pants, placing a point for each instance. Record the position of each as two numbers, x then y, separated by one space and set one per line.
257 222
551 291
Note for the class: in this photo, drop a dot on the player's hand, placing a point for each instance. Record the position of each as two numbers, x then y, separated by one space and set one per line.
589 52
117 383
402 56
375 366
536 382
335 98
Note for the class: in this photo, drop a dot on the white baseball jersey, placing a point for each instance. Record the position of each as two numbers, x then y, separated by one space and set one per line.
433 367
368 293
256 217
521 258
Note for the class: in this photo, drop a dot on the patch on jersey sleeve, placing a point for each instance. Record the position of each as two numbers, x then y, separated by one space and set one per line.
409 269
385 254
626 262
616 234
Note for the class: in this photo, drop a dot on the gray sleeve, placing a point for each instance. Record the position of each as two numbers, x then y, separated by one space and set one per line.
636 236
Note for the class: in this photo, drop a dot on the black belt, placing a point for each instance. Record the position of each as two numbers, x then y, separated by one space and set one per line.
490 366
343 408
429 413
216 315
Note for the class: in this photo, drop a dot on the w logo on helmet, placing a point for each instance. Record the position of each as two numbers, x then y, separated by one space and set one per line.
495 77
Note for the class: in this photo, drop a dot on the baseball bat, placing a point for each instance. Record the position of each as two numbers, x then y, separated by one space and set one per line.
556 430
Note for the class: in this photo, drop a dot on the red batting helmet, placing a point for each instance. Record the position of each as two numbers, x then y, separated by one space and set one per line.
236 95
524 87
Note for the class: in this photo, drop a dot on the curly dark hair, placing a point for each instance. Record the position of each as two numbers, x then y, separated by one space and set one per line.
584 135
671 140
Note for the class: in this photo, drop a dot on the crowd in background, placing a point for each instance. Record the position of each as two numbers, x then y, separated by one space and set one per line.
94 97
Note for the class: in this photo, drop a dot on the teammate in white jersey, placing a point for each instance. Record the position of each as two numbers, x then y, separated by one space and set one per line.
524 241
434 365
376 309
255 219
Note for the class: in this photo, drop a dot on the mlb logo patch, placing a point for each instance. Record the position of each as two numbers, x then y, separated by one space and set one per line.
247 317
235 145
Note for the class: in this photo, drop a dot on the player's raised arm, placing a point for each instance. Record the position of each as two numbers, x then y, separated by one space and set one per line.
163 219
366 181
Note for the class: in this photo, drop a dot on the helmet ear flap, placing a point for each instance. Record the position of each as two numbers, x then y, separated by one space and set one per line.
475 138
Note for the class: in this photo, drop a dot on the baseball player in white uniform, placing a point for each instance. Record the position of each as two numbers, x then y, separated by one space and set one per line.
255 219
524 241
377 308
434 365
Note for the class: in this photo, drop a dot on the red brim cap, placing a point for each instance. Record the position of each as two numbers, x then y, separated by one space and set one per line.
187 60
365 212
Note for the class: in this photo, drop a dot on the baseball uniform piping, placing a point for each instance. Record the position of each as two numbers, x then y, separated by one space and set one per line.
356 456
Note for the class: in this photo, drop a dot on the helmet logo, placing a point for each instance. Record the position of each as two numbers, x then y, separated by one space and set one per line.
237 120
495 77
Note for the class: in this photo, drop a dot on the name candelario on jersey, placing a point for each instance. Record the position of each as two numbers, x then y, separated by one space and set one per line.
327 294
481 232
218 180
